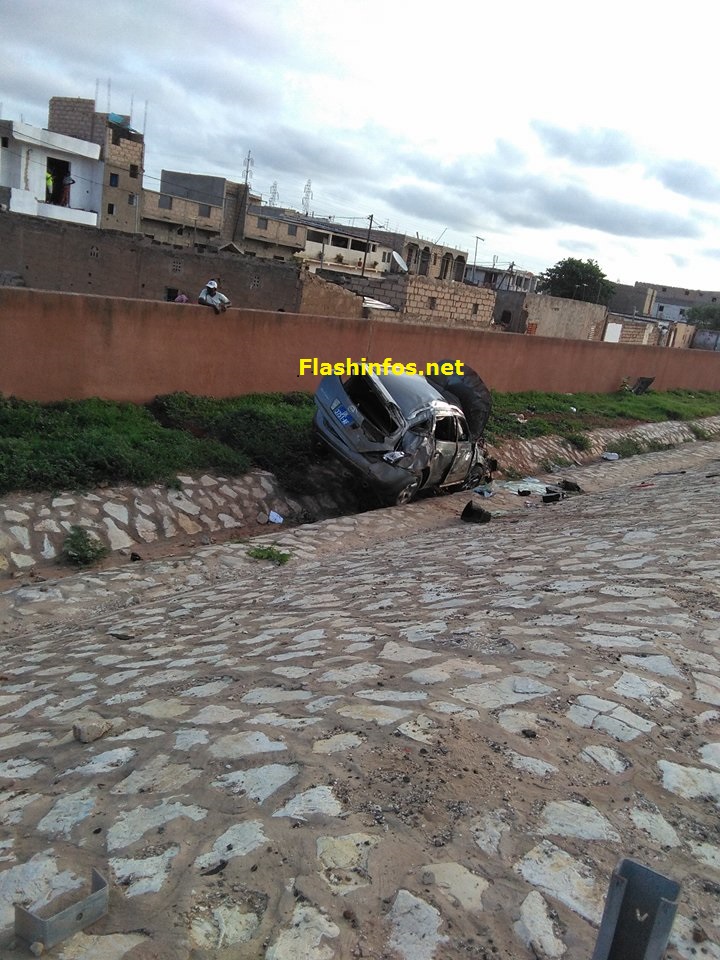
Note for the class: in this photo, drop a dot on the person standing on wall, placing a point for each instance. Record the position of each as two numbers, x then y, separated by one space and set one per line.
66 184
210 296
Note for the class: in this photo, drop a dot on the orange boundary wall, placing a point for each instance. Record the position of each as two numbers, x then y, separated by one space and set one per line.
56 346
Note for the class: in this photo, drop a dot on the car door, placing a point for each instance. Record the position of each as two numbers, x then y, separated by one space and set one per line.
445 436
462 460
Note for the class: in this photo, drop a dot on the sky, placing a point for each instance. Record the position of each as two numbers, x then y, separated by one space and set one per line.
523 133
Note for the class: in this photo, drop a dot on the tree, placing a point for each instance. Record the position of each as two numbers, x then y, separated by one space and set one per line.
576 280
706 316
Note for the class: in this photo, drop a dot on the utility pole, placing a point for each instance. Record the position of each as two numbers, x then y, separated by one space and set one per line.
475 260
367 244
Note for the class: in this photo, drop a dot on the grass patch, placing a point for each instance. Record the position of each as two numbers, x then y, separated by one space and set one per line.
578 440
272 431
278 557
82 445
82 549
700 434
631 447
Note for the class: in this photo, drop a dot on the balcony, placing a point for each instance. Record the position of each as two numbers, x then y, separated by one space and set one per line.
23 201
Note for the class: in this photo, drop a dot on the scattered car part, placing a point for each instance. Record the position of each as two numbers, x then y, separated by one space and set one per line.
474 514
639 913
47 932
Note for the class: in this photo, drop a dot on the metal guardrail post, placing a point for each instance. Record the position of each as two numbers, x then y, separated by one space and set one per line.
639 913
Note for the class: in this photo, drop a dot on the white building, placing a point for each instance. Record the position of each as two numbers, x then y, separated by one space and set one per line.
29 154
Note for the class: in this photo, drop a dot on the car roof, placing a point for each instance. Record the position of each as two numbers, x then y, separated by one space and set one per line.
413 394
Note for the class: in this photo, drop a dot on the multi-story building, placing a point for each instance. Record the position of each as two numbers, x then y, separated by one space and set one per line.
499 278
324 244
672 303
195 210
122 151
33 165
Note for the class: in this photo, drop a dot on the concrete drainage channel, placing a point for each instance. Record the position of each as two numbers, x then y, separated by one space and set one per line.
146 522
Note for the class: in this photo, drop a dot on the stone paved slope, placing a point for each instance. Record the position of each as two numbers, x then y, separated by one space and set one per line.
418 739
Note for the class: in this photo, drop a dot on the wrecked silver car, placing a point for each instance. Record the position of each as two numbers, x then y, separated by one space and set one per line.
402 434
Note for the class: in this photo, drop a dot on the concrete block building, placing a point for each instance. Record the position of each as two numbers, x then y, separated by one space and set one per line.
33 164
122 151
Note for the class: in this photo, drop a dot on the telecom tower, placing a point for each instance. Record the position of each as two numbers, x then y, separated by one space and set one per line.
247 169
307 197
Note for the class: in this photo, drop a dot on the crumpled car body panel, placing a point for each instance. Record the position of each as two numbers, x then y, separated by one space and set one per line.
399 433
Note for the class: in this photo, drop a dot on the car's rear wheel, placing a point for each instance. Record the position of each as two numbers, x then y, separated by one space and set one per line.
407 494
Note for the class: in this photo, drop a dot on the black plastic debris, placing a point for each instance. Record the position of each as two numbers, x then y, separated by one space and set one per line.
639 913
551 497
642 385
569 486
474 514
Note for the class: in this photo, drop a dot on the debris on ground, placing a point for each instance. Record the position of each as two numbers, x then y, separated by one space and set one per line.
474 514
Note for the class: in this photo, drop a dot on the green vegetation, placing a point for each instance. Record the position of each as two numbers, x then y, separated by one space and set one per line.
82 549
576 280
278 557
80 445
84 444
631 447
569 415
706 316
271 430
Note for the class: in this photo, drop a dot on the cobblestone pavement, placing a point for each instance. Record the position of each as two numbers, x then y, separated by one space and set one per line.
417 739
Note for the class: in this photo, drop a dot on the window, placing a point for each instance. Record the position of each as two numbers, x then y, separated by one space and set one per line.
661 308
95 253
292 229
134 170
276 257
5 141
111 208
165 202
445 429
114 179
432 303
315 237
262 223
254 282
475 309
177 267
131 199
204 210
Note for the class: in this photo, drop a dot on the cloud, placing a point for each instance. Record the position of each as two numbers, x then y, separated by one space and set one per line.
587 146
689 179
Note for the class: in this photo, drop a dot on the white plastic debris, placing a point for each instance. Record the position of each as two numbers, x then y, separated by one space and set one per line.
275 517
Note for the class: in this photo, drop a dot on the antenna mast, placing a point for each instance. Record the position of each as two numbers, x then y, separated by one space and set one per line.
274 195
247 170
